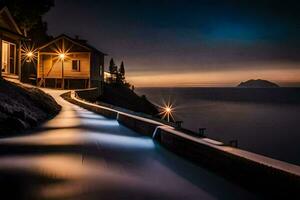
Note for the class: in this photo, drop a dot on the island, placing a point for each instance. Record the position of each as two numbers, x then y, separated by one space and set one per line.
258 83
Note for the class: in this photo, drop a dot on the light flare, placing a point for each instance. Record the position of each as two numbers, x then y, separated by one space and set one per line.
62 52
62 56
166 111
28 53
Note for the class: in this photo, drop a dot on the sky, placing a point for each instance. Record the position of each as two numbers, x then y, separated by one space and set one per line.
186 43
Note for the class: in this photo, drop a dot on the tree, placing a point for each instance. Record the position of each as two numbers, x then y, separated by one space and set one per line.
28 14
112 66
121 74
113 69
122 69
38 33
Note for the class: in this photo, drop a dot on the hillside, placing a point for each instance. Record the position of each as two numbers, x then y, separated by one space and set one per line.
259 83
22 108
122 96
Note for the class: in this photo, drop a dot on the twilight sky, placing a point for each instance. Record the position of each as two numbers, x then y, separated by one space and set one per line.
189 43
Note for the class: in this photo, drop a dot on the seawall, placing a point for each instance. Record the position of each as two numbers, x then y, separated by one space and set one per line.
270 177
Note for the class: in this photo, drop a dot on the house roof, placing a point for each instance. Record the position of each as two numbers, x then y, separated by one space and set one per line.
80 43
5 10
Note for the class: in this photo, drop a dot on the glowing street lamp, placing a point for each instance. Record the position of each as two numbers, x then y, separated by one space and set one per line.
29 54
62 56
167 111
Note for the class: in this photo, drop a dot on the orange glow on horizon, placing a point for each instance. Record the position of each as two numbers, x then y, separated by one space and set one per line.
213 78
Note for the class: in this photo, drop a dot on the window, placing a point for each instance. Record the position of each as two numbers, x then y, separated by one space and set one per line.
12 59
8 64
5 55
76 65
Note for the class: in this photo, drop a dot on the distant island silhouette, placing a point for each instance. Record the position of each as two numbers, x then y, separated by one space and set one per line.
259 83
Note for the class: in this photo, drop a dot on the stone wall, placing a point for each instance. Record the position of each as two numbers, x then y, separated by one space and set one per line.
89 94
267 180
138 124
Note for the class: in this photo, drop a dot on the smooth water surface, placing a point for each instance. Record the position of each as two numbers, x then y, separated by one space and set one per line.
265 128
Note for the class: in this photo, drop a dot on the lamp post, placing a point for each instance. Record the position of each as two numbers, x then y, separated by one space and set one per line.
168 111
29 56
62 57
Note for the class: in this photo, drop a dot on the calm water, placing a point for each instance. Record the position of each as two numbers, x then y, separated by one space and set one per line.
265 128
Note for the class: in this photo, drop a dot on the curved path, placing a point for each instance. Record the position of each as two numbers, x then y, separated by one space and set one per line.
81 155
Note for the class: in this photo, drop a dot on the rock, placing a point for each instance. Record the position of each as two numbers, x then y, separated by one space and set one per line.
22 108
17 123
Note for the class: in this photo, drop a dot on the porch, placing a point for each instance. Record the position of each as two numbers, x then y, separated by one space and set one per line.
66 71
66 83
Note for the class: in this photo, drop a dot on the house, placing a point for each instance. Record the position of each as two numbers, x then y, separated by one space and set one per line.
64 62
69 63
10 45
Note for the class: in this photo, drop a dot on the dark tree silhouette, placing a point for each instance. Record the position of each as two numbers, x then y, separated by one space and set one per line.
122 69
113 69
121 74
112 66
28 14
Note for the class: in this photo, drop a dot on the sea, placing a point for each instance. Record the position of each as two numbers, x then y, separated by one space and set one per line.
264 121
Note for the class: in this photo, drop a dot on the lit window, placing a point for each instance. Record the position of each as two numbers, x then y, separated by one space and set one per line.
76 65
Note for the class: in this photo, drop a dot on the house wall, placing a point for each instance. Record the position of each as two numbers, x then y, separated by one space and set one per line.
11 39
7 22
4 22
51 67
10 33
97 67
13 64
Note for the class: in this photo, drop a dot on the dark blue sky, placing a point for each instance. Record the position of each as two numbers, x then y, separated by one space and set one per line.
209 42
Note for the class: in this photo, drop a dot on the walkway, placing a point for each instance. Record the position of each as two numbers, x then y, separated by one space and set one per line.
81 155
